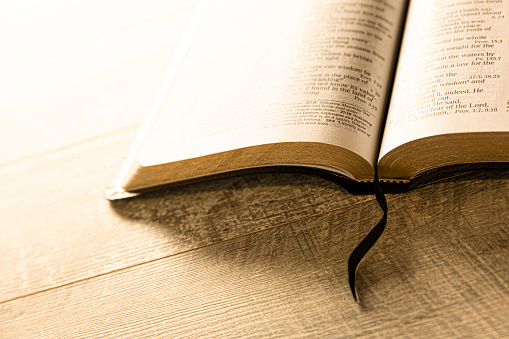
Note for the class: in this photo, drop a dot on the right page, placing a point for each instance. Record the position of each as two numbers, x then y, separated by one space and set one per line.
452 75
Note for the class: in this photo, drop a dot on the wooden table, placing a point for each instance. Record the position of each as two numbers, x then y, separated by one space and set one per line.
254 256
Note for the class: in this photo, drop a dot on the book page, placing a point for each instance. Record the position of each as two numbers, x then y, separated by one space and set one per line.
453 72
265 71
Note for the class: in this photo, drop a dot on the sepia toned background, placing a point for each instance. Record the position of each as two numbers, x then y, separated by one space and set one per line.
254 256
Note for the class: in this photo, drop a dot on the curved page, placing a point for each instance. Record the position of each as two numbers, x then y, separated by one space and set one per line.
453 72
265 71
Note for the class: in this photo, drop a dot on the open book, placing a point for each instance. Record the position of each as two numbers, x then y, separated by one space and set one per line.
265 83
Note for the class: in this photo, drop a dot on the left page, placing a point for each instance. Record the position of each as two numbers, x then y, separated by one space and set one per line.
258 72
267 71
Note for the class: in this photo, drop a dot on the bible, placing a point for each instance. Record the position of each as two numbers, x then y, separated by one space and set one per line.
347 88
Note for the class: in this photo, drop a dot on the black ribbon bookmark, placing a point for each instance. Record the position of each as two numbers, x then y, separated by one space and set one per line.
368 242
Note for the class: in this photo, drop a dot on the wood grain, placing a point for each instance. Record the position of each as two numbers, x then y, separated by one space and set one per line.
57 228
441 270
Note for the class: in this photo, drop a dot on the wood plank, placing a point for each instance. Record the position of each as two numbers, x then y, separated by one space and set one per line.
441 270
56 228
76 70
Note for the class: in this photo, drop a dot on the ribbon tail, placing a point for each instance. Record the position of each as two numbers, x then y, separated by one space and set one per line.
365 245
